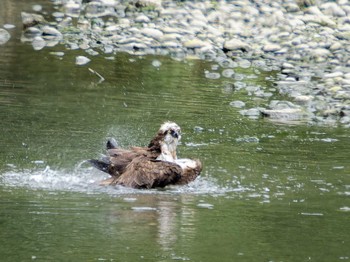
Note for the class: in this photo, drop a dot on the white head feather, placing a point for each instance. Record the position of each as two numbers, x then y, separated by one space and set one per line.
171 139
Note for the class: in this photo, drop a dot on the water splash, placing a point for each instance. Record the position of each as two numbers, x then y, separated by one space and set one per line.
86 180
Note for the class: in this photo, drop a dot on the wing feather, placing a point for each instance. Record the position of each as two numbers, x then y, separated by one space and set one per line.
143 172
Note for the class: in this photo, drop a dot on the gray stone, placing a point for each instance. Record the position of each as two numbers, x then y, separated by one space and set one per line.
335 46
4 36
286 114
81 60
151 32
287 65
142 19
252 112
236 44
51 32
171 44
37 8
195 43
38 43
244 63
228 73
320 53
156 63
237 104
9 26
29 19
292 7
334 75
212 75
271 47
332 9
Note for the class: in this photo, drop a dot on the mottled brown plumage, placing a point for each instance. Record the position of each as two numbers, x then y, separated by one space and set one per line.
149 167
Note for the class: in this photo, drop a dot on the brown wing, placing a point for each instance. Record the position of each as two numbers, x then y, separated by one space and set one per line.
121 158
143 172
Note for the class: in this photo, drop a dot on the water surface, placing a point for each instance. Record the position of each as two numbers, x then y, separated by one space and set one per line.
268 192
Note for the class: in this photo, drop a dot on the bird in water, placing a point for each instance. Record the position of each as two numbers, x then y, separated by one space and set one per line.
153 166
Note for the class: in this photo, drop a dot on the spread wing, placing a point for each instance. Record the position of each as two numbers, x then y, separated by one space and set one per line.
143 172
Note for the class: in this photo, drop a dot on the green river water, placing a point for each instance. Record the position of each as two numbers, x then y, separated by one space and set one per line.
268 191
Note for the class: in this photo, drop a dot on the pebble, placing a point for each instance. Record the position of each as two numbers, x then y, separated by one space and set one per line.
237 104
332 9
334 75
236 44
156 63
335 46
151 32
50 31
38 43
252 112
142 19
81 60
9 26
4 36
212 75
244 63
271 47
60 54
195 43
29 19
37 8
227 73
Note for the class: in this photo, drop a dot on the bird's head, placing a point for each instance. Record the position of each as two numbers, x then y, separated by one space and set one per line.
168 137
171 132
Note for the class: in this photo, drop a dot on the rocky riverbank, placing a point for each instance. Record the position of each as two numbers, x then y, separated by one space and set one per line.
307 43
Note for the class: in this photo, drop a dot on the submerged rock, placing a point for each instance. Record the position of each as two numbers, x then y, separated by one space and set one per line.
51 32
236 44
151 32
38 43
4 36
29 20
82 60
237 104
285 111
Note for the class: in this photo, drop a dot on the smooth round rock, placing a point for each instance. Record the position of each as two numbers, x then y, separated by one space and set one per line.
38 43
4 36
237 104
236 44
81 60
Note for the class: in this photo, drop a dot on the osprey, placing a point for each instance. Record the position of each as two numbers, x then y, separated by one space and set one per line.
153 166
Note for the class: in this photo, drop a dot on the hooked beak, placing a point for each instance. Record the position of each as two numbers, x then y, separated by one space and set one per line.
176 134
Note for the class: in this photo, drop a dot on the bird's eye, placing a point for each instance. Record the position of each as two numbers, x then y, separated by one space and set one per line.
174 134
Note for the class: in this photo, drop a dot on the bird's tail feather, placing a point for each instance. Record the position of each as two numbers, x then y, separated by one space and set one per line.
102 165
111 143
